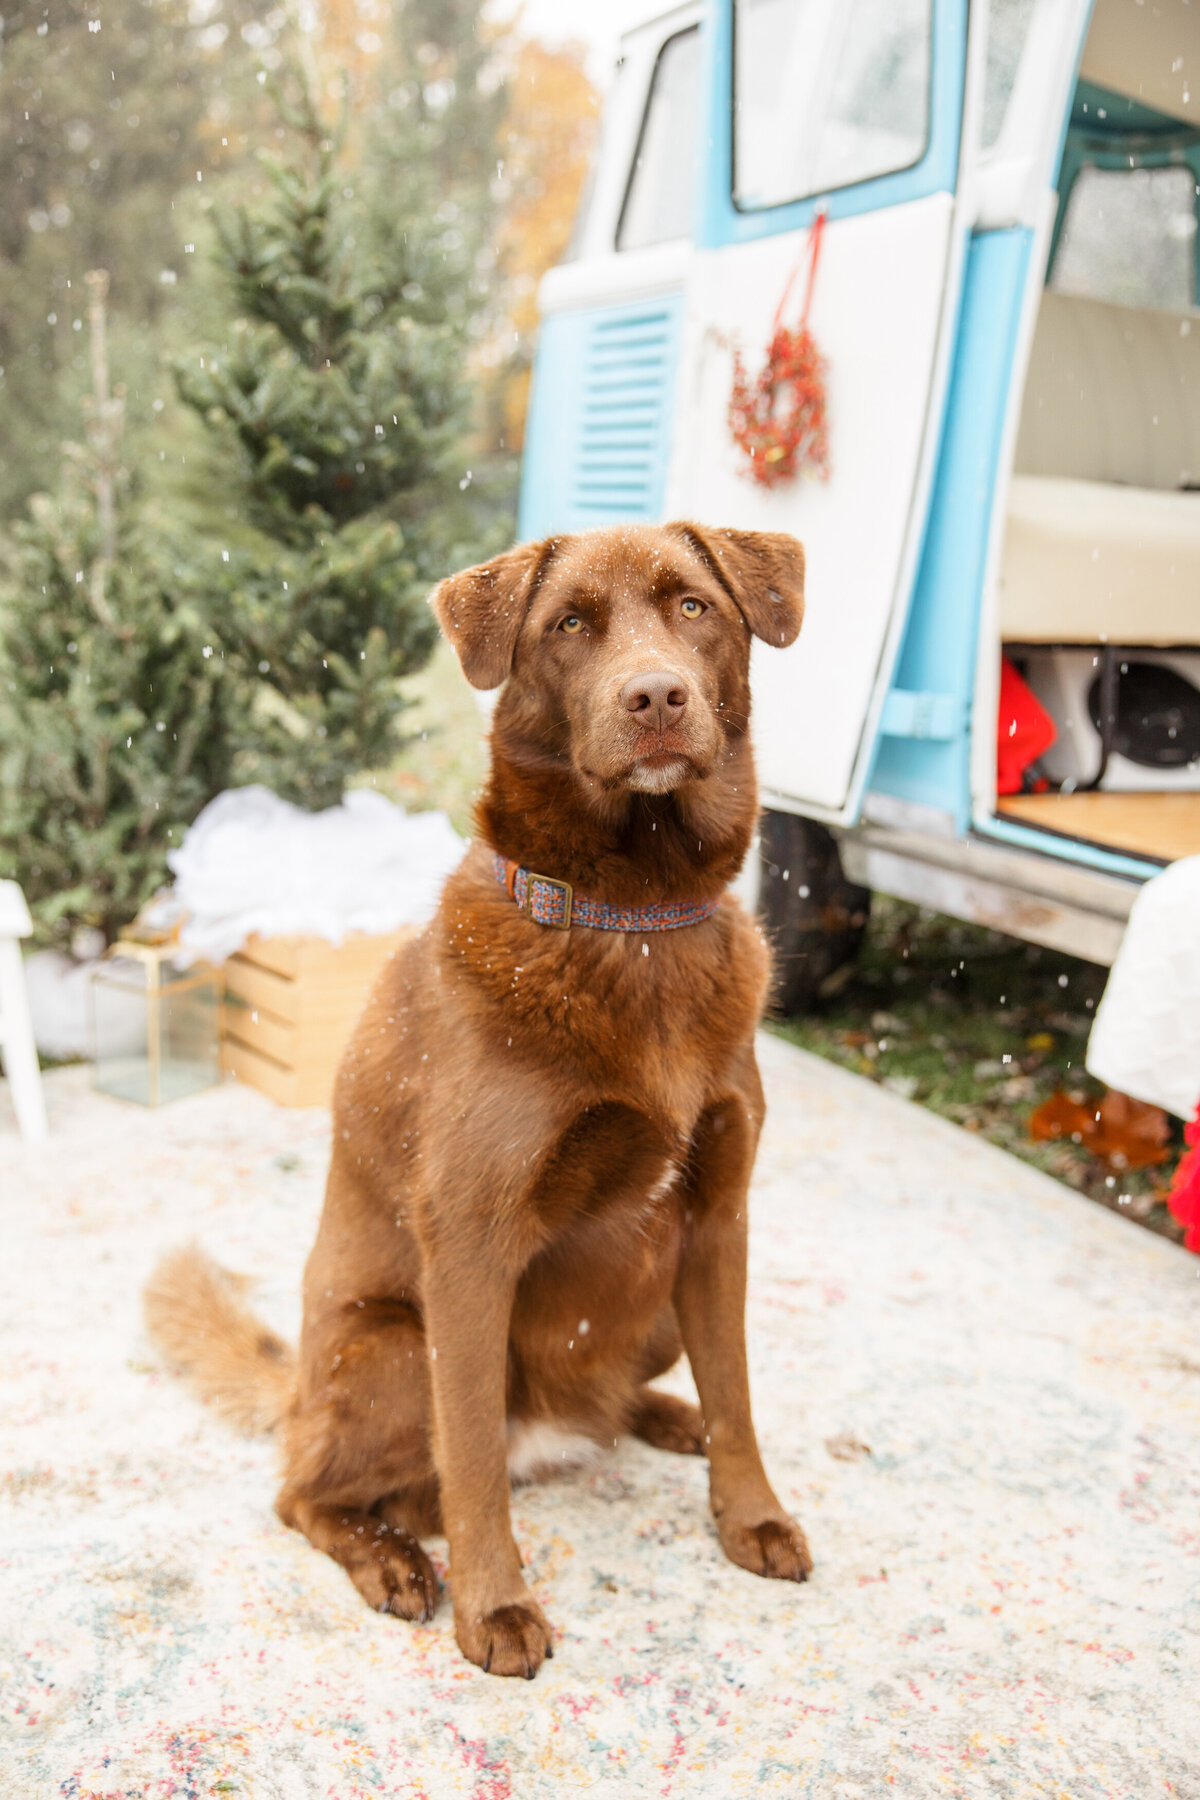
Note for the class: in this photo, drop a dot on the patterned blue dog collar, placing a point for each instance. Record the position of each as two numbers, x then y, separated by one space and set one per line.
557 904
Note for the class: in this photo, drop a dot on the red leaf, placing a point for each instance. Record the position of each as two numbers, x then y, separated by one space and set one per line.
1124 1132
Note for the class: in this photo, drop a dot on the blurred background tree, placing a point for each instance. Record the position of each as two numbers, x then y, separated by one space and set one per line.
546 140
248 601
114 701
105 125
118 127
339 408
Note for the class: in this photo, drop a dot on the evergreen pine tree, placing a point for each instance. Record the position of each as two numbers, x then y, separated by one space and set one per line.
149 660
113 694
339 397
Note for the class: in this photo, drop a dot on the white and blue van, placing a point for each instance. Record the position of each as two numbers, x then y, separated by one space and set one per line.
1006 298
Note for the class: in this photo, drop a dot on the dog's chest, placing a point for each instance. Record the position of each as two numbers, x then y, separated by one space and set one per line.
658 1022
660 1006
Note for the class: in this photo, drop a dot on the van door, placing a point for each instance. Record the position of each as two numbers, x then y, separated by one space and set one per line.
853 108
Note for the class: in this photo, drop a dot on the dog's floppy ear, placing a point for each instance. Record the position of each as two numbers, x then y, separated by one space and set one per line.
482 609
761 571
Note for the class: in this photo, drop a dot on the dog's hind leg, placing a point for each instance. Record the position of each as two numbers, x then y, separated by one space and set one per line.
359 1437
667 1422
662 1419
388 1566
663 1348
416 1509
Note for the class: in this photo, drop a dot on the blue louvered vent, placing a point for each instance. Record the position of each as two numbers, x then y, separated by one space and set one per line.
598 435
619 466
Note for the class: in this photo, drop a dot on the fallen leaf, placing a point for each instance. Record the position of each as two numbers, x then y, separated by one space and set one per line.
1122 1131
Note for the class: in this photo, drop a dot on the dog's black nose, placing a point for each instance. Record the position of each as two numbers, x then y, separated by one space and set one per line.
656 698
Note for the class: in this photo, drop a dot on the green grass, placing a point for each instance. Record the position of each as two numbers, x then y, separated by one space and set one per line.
979 1028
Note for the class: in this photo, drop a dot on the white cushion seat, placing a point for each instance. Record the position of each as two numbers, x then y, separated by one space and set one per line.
1103 534
1088 562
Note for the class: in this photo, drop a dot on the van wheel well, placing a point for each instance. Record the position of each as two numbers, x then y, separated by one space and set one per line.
814 918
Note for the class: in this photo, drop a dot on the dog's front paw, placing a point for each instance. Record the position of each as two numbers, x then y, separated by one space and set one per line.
774 1547
510 1640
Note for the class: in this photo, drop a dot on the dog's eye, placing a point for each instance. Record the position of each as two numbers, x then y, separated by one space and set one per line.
573 624
691 609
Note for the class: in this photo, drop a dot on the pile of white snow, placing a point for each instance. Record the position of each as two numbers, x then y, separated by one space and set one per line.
60 1003
253 863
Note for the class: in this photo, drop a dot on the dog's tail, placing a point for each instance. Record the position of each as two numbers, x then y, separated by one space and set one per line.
195 1315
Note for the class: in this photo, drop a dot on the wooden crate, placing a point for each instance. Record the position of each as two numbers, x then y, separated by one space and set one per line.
290 1006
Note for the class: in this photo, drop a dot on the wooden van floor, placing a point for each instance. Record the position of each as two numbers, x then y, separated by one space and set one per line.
1163 827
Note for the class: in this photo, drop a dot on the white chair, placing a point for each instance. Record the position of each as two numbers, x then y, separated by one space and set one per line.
17 1049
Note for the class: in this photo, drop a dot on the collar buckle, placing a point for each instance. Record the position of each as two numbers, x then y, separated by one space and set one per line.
562 887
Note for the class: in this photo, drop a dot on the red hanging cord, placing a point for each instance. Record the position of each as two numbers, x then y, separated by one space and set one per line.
778 419
812 249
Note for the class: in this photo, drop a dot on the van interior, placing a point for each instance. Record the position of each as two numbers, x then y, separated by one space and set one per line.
1099 584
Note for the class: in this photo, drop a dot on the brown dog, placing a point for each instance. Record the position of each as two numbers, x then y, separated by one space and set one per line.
543 1137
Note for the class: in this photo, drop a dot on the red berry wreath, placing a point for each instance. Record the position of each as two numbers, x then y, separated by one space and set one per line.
778 418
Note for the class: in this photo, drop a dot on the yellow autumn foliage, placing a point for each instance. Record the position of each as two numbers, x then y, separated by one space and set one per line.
548 137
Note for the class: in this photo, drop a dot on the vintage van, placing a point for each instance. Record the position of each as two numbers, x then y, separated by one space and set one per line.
1006 299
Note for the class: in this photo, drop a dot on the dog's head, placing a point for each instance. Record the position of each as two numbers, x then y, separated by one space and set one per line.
628 648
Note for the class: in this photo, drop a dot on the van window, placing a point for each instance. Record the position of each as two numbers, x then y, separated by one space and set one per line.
597 158
826 93
1008 23
1129 237
658 200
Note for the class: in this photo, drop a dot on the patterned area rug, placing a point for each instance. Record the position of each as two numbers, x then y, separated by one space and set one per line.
980 1394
